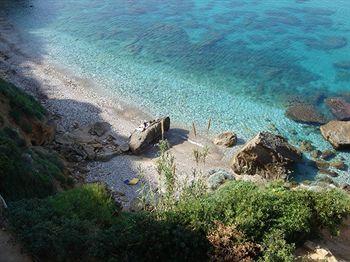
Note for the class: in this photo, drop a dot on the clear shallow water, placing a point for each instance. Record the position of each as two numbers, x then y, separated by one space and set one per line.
237 62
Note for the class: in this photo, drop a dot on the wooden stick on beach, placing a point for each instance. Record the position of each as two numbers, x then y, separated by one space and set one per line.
194 129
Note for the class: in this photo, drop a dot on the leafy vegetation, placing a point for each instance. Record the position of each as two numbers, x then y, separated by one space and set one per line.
20 103
27 172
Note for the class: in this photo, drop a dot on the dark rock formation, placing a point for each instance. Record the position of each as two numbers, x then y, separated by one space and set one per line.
267 155
337 133
148 134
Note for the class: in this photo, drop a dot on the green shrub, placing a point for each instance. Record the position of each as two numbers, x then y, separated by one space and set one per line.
259 212
26 173
84 223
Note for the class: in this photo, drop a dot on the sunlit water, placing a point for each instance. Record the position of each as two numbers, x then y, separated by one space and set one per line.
237 62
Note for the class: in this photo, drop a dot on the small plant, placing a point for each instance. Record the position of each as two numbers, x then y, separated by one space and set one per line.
201 155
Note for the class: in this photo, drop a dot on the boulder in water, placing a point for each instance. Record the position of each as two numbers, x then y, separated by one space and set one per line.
337 133
267 155
305 113
339 108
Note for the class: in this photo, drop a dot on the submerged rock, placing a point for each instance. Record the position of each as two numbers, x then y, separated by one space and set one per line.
305 113
342 64
327 42
227 139
337 133
267 155
148 134
339 108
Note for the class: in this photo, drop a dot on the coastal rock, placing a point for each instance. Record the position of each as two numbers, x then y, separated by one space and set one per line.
306 146
147 134
305 113
227 139
327 154
100 128
339 108
267 155
42 134
337 133
217 177
340 165
91 142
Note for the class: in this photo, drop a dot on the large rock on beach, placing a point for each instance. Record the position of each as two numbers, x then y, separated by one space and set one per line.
339 108
305 113
267 155
227 139
148 134
337 133
91 142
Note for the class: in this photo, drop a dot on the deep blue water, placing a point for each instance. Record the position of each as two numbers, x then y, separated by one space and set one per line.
238 62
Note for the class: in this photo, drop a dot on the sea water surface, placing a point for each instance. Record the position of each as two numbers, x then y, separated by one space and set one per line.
240 63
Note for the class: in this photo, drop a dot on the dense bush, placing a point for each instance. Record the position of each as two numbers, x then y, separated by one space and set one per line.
259 212
264 222
26 173
84 223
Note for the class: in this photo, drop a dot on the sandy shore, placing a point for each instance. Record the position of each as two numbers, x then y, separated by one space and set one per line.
72 100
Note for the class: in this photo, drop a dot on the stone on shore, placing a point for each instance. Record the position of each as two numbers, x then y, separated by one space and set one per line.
217 177
305 113
145 136
267 155
337 133
227 139
339 108
91 142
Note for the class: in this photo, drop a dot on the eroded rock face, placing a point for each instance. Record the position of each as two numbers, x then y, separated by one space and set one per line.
227 139
305 113
337 133
148 134
339 108
92 142
267 155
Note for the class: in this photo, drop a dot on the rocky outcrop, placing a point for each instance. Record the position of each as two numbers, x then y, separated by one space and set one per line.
217 177
148 134
305 113
92 142
267 155
337 133
339 108
227 139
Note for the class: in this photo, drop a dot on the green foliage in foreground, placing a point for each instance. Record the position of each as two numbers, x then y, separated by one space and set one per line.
21 104
27 173
83 223
260 211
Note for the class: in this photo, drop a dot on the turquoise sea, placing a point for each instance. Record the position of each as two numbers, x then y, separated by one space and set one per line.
237 62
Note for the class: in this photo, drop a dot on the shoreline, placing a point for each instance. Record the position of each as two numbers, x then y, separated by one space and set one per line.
73 101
